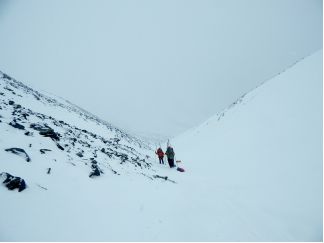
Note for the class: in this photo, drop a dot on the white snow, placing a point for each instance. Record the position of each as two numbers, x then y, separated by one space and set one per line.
262 160
253 173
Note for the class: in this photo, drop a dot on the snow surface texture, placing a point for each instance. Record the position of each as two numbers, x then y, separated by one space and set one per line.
253 172
56 147
256 168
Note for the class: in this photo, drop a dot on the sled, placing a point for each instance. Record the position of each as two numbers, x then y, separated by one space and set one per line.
180 169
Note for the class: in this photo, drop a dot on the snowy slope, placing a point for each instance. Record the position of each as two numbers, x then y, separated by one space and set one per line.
65 145
77 134
253 172
258 163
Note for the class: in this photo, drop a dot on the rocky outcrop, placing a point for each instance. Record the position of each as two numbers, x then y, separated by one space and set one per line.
113 149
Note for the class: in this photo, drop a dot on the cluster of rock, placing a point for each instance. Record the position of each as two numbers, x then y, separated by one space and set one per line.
78 144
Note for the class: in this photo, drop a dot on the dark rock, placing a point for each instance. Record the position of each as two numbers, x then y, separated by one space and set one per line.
40 116
37 98
6 76
20 152
50 133
28 133
95 170
123 157
24 115
11 102
13 182
49 171
8 89
16 125
44 150
59 146
80 154
40 127
37 127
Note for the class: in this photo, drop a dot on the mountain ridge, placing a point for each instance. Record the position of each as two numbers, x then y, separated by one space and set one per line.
75 132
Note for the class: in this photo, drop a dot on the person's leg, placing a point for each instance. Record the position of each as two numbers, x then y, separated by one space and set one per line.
170 162
160 160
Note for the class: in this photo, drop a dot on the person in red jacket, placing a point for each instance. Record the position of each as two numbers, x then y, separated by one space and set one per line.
160 154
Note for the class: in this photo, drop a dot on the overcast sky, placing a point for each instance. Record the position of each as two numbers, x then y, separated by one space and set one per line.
154 67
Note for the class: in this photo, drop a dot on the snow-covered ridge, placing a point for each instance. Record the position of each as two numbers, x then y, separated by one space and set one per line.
244 98
260 160
60 102
38 123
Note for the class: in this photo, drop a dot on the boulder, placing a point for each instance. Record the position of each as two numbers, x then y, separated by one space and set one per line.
95 169
13 182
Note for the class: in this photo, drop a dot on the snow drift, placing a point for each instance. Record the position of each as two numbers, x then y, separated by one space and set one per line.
258 163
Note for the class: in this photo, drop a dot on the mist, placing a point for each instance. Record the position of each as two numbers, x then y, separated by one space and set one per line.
154 68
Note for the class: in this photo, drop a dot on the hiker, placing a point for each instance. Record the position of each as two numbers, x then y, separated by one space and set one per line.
170 154
160 154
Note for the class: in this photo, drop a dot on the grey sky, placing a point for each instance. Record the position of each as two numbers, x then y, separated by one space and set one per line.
154 67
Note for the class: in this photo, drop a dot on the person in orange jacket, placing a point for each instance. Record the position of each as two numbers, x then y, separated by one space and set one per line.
160 154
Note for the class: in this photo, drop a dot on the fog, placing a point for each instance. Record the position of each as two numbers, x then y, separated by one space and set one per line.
154 68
